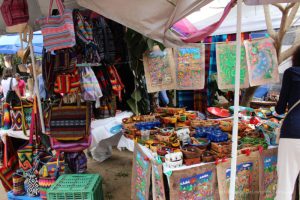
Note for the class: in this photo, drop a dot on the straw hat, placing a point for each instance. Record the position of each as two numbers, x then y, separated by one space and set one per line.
8 61
25 36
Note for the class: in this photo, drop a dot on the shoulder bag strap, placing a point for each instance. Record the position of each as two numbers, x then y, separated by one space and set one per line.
10 84
290 110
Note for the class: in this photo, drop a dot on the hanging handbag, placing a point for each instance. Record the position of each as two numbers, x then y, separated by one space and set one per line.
278 130
20 114
15 15
25 153
32 185
67 83
90 87
12 98
6 116
84 30
10 166
77 162
70 123
18 184
115 81
58 31
75 146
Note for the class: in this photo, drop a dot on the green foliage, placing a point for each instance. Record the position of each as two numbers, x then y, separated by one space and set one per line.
137 45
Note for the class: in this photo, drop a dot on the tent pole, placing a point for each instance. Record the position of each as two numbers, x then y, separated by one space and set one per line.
36 87
236 102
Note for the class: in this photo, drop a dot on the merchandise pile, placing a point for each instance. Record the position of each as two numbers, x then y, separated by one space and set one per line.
179 137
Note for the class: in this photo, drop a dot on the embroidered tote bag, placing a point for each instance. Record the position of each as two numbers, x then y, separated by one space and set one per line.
58 31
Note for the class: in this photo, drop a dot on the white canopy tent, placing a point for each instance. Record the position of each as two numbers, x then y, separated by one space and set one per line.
154 19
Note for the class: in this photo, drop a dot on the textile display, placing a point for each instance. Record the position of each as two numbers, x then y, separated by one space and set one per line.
141 169
58 31
158 189
10 165
247 177
185 98
32 185
77 162
15 15
18 114
262 62
90 87
44 184
194 183
18 184
226 58
70 123
67 83
190 68
25 153
68 146
159 67
6 116
268 174
212 70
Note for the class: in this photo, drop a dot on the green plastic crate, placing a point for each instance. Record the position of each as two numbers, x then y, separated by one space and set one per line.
76 187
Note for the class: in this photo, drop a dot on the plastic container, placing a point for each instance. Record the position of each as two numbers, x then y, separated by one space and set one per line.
11 196
76 187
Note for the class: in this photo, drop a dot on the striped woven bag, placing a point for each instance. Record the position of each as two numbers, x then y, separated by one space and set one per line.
58 31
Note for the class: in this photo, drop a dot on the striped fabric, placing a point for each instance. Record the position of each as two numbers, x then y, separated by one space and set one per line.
69 122
185 98
58 31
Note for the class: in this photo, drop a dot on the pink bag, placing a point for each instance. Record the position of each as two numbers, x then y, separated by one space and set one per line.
58 31
76 146
260 2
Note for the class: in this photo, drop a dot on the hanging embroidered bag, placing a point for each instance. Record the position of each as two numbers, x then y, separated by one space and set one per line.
70 123
15 15
90 87
58 31
10 161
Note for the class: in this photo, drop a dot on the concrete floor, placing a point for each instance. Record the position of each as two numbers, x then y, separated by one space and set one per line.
116 173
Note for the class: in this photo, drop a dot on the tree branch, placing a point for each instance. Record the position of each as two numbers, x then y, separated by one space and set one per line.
292 15
289 52
289 6
279 6
268 20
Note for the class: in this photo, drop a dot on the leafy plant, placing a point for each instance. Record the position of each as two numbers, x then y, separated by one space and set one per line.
140 101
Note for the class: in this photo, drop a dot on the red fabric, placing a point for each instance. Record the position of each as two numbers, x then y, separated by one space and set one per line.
205 32
14 12
21 86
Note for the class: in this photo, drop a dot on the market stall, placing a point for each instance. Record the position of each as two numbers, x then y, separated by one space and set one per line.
184 156
199 155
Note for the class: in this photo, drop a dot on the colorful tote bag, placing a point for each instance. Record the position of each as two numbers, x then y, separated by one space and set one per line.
75 146
6 116
10 166
58 31
262 61
32 185
159 69
67 83
18 184
190 68
90 87
25 153
70 123
20 114
226 58
15 14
